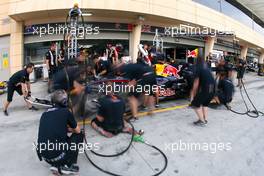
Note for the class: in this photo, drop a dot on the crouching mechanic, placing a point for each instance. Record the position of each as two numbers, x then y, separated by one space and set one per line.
19 82
109 120
225 91
54 126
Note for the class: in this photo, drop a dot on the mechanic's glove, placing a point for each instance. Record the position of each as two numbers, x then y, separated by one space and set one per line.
88 89
97 77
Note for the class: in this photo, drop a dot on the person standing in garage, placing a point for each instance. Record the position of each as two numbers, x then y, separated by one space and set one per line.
51 64
203 90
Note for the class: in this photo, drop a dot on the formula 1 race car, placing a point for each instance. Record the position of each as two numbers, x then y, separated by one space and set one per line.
176 82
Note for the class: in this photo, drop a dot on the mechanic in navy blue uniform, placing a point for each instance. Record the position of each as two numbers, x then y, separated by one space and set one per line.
209 60
61 59
224 65
54 126
202 92
19 82
143 76
70 79
101 68
225 92
109 120
51 64
240 71
220 66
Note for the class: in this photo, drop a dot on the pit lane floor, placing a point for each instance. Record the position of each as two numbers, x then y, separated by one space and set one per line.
242 137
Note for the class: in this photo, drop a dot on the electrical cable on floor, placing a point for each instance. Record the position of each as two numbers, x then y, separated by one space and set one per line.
248 112
121 153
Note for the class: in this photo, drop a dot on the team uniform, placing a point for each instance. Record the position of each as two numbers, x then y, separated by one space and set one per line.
224 68
226 90
144 76
102 65
62 63
53 130
241 69
209 61
53 63
63 80
112 110
19 77
206 86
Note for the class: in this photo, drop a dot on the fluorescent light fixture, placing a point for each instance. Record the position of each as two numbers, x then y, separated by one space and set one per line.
87 14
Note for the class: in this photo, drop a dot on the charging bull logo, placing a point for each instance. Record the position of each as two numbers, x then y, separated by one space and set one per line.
166 70
193 53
